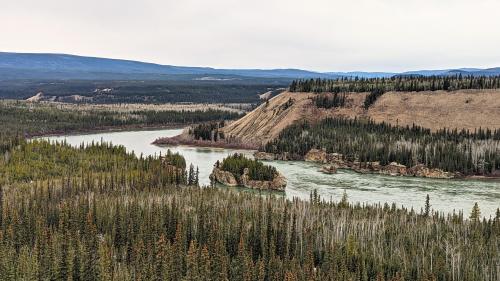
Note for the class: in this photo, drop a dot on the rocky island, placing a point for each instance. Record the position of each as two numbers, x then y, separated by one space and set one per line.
238 170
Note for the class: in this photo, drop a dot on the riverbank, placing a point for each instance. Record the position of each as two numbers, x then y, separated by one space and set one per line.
185 139
391 169
321 157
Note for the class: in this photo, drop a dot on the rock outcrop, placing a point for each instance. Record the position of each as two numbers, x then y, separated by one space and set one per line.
36 98
316 155
422 171
328 169
226 178
335 160
394 169
278 182
259 155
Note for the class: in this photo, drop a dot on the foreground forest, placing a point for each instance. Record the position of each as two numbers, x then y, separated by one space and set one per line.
143 219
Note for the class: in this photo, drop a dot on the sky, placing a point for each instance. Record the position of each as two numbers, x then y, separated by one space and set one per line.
321 35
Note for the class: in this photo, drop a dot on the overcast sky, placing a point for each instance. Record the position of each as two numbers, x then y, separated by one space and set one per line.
324 35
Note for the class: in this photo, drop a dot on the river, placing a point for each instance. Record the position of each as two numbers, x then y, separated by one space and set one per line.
445 195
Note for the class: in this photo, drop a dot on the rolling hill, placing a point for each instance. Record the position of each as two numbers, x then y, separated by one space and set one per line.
39 66
62 66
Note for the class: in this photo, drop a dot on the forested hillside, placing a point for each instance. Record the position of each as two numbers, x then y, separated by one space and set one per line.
34 119
189 90
470 153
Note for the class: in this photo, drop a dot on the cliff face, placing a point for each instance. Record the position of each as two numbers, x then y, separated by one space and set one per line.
226 178
467 109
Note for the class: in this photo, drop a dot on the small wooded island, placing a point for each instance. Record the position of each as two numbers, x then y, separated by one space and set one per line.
238 170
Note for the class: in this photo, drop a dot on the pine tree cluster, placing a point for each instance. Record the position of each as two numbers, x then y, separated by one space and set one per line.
469 153
208 131
237 163
399 83
329 101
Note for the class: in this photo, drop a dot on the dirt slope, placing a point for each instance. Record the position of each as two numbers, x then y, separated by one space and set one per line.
269 119
434 110
467 109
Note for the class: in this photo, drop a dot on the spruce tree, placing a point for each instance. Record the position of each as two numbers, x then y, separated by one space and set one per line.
475 214
427 206
192 263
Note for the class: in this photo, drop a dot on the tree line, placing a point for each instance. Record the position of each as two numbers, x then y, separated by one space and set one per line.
399 83
376 87
469 153
20 120
25 119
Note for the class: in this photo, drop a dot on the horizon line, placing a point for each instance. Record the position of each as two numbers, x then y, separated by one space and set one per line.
250 68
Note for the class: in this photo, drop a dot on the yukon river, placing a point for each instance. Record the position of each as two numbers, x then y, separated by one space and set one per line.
303 178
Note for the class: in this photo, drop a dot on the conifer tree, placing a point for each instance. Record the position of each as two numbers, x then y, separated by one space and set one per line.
161 265
90 262
427 206
192 263
191 175
205 265
105 262
63 266
197 177
475 214
76 264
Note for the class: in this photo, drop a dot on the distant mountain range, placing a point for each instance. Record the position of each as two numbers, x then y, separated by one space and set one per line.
14 66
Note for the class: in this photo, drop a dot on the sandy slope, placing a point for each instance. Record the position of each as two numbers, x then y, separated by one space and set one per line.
460 109
268 120
434 110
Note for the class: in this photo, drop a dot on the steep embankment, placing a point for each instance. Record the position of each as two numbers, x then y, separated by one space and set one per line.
467 109
269 119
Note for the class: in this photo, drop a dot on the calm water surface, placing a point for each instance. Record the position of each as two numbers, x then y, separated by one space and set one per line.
446 195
